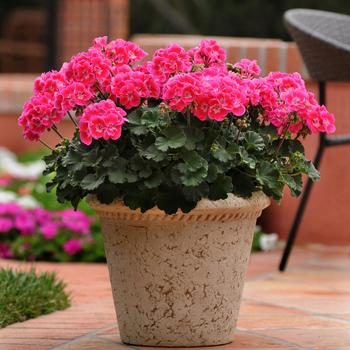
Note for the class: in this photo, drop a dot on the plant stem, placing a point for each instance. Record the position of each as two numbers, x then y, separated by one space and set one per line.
188 115
54 128
45 144
283 138
239 133
228 127
72 119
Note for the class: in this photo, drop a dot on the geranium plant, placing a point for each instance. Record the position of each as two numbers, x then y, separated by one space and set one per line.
167 132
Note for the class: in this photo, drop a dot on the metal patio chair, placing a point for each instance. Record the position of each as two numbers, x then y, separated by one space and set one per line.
323 39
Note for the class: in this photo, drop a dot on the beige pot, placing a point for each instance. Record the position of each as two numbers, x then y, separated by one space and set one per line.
177 279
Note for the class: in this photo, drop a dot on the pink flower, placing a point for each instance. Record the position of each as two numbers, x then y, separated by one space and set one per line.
248 68
87 68
209 53
39 114
210 93
5 251
101 120
49 83
5 180
130 87
72 246
6 225
121 52
171 60
75 221
25 222
100 42
49 230
73 95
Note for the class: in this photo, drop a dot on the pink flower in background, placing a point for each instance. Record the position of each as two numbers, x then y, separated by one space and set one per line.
101 120
72 246
49 230
5 180
75 221
5 251
25 222
6 224
248 68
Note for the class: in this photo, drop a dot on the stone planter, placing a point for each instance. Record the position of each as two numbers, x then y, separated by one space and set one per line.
177 279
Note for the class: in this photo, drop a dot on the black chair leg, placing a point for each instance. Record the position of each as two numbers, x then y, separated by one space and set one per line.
299 215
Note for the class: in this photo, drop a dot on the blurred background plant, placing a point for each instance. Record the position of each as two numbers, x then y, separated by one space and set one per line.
33 225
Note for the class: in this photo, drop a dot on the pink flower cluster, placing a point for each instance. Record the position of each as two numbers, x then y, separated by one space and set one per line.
209 93
129 88
209 53
101 120
102 82
288 105
27 222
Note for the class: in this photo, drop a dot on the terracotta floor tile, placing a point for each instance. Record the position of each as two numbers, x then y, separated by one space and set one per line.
92 343
331 339
242 341
307 307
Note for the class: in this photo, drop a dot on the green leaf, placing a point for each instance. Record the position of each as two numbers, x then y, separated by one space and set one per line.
107 193
193 160
174 137
212 173
140 200
152 152
117 173
151 118
254 141
183 174
269 177
220 188
295 184
172 200
193 136
92 181
222 154
311 171
243 184
196 193
138 130
154 180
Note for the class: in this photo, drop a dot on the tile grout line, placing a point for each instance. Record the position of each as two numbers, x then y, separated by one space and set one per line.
275 339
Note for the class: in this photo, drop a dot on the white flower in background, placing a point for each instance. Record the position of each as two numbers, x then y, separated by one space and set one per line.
25 201
10 165
7 196
268 241
28 202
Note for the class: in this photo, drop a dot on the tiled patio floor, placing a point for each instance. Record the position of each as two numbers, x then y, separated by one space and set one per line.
308 307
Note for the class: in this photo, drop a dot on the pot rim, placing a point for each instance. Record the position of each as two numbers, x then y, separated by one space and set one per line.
231 208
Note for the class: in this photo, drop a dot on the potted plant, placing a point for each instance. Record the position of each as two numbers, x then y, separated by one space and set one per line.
178 155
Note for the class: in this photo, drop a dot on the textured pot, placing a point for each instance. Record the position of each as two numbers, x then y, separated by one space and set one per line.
177 279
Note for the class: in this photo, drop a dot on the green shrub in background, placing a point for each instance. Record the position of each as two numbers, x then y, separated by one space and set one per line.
246 18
